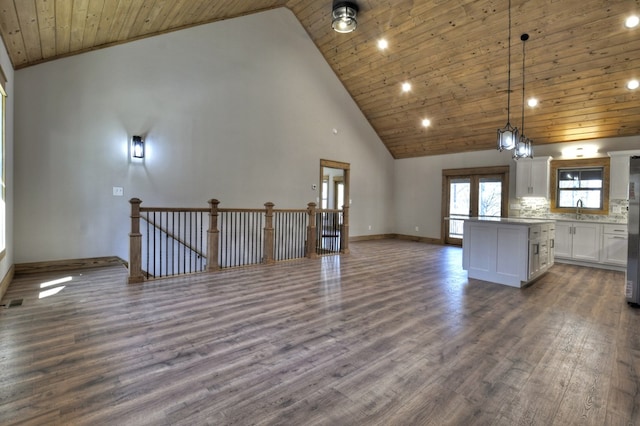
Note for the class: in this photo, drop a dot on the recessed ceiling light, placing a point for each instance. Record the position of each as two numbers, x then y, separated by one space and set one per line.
426 122
632 21
532 102
406 87
382 44
633 84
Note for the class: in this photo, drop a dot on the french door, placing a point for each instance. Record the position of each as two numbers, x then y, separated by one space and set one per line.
481 192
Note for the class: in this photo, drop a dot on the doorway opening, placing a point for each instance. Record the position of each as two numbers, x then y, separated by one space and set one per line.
333 218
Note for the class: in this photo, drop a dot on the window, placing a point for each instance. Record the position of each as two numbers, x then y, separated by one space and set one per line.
584 182
580 185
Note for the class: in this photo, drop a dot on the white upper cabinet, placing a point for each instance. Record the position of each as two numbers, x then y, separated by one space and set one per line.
532 177
619 174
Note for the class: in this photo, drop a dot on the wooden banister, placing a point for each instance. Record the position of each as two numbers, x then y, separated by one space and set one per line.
311 231
268 233
135 244
344 230
213 236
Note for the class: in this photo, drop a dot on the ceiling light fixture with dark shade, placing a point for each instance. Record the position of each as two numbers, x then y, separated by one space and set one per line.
523 147
508 135
344 17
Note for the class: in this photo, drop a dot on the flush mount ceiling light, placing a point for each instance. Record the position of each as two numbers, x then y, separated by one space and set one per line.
633 84
508 135
344 17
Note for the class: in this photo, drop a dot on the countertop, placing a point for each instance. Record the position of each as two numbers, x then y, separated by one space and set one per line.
605 222
508 220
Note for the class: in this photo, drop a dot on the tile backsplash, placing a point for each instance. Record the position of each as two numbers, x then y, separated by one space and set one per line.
539 208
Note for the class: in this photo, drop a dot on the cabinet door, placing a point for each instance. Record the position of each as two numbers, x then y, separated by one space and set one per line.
539 178
523 178
614 250
563 239
586 241
619 175
532 177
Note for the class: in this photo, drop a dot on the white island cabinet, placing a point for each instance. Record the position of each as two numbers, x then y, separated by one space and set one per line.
512 252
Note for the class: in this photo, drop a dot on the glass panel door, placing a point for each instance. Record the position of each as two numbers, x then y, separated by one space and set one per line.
472 193
490 197
459 205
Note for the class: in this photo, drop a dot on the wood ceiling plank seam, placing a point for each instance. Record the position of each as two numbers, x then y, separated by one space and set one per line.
47 24
11 33
157 16
137 28
63 10
28 19
170 17
129 19
180 20
94 14
106 24
78 21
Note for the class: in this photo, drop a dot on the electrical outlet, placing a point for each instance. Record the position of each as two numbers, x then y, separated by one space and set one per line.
369 227
417 229
118 191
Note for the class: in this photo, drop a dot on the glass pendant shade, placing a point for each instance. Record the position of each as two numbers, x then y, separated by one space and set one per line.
344 17
507 137
523 148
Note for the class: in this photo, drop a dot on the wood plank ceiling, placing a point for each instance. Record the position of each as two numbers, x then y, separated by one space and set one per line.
454 53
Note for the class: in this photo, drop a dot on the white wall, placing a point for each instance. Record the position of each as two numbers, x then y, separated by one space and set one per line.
418 181
7 261
240 110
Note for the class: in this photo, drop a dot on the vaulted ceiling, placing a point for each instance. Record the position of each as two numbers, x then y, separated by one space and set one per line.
453 53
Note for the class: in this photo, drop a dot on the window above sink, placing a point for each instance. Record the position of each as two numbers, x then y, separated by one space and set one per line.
580 186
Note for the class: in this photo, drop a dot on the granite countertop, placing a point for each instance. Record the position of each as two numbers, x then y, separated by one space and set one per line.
605 222
509 220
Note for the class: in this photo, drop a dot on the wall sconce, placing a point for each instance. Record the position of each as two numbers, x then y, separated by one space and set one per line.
137 147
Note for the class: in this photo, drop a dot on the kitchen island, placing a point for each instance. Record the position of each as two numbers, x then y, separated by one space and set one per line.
513 252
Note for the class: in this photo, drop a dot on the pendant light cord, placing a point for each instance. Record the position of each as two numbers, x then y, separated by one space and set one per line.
524 38
509 69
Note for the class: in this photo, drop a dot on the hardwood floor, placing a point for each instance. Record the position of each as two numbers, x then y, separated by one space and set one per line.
392 334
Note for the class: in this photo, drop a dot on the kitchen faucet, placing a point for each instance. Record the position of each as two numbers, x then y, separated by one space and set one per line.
578 207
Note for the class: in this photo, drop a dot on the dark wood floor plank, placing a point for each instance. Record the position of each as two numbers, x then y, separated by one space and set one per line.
393 333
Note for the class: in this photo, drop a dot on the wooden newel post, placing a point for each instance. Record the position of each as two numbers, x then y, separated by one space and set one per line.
135 244
268 234
311 232
213 236
344 230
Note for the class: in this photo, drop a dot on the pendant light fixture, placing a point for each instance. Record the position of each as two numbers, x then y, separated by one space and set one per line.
344 17
508 135
523 146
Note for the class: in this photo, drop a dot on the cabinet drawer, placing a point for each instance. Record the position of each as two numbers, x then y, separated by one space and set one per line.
615 229
534 232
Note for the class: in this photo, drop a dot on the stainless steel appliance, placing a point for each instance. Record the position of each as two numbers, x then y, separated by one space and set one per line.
632 290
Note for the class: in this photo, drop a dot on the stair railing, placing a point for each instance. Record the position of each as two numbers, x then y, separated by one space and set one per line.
173 241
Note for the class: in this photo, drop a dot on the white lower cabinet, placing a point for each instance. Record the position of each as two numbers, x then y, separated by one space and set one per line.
506 252
578 241
592 244
614 245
